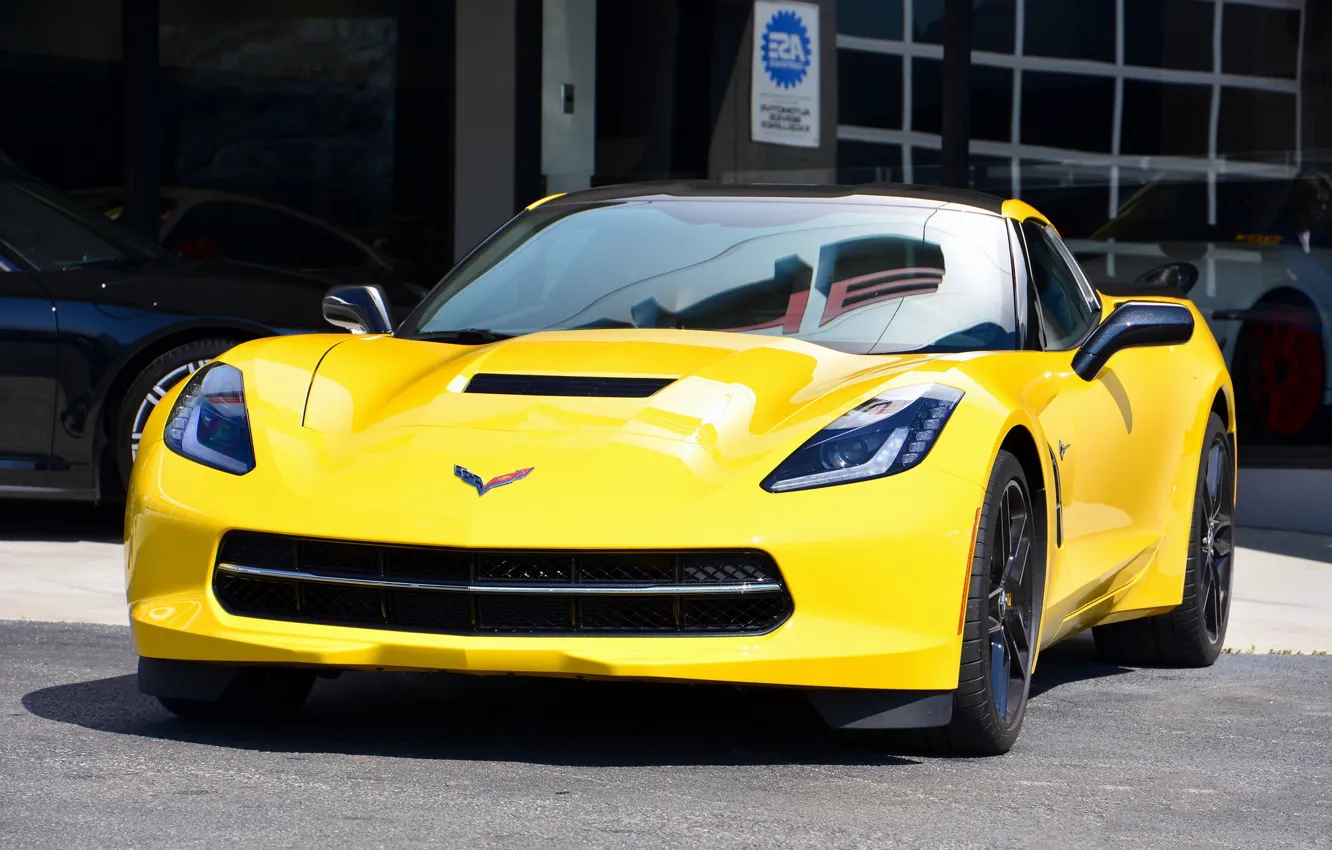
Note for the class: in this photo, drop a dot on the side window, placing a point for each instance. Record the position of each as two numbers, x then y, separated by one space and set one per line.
1066 311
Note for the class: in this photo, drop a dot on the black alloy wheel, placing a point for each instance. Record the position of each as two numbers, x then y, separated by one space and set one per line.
1002 625
1191 635
1010 603
1216 550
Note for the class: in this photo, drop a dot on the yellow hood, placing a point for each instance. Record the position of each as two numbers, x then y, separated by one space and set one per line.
724 387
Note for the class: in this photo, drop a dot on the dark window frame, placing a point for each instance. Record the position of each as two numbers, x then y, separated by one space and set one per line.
1062 255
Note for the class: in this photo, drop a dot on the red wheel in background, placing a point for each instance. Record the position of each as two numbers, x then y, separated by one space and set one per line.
1279 369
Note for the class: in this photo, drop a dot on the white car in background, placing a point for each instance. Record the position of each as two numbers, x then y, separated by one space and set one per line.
1267 298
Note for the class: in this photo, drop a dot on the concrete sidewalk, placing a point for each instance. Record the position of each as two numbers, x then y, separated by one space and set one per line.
75 572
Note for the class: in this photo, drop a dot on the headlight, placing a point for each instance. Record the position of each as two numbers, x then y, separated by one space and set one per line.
890 433
208 423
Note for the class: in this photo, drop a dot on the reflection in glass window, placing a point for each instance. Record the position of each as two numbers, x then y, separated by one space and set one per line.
1256 122
254 233
49 232
1047 99
1259 41
860 278
870 18
1165 118
991 99
993 23
1084 29
869 89
1151 28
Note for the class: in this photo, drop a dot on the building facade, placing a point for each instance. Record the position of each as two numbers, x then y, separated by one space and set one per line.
1150 131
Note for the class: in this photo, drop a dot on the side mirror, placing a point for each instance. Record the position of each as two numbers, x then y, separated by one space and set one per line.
1177 276
1134 324
359 309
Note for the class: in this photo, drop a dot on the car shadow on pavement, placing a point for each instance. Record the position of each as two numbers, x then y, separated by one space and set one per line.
62 522
1073 659
546 721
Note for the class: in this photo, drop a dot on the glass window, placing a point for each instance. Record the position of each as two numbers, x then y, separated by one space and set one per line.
1165 118
864 278
870 18
1253 121
991 99
1084 29
868 162
992 22
51 232
254 233
1066 315
1250 211
1258 41
1153 29
1048 101
869 89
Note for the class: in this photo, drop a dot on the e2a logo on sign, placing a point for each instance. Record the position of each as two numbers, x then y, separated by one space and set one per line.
786 49
784 100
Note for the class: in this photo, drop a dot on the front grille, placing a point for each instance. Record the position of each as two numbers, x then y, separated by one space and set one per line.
463 591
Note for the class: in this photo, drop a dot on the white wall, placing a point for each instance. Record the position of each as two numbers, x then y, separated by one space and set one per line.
568 55
1285 499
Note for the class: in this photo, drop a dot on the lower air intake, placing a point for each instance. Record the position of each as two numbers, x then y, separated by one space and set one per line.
462 591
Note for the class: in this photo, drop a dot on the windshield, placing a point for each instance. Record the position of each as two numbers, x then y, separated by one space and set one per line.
860 278
51 232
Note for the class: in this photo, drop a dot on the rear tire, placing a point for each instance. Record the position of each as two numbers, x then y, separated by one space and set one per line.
256 695
148 388
1192 634
1002 621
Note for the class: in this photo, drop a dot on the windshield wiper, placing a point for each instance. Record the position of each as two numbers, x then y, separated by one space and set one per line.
466 336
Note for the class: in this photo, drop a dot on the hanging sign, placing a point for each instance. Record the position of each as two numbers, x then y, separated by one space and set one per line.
784 97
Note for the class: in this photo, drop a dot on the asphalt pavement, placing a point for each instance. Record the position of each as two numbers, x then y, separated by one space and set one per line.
1237 756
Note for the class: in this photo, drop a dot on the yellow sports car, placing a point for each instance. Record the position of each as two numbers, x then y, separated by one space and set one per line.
881 444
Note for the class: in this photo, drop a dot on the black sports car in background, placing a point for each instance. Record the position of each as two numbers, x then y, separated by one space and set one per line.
97 323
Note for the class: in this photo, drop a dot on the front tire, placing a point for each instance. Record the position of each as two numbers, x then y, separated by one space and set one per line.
1192 634
148 388
1002 624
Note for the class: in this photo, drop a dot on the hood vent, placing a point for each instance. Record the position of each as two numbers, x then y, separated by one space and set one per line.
565 385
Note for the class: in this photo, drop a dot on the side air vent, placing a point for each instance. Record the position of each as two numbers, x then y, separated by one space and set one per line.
565 385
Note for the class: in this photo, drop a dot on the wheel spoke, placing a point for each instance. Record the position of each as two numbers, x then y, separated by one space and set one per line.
1212 610
1016 570
999 675
1017 667
1018 628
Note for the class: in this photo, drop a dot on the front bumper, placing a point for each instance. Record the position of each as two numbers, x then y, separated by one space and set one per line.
875 570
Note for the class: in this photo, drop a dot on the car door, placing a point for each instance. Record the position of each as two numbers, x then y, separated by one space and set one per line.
1115 485
28 339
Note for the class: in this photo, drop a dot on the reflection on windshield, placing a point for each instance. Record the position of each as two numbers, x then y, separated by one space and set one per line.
857 277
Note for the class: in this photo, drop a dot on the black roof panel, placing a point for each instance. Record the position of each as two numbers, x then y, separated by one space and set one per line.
712 189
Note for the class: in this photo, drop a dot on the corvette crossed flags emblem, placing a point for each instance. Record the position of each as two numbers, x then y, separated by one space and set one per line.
483 487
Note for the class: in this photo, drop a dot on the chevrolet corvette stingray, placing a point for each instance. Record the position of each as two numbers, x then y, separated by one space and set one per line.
882 444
